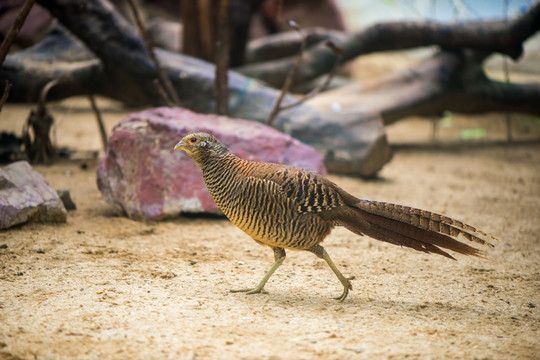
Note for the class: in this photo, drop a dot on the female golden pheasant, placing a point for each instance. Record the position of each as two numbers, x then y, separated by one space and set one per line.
289 208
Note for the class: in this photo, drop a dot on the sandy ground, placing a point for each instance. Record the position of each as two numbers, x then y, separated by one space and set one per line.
106 287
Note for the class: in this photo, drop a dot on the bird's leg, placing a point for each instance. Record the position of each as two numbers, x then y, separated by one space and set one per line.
279 255
321 252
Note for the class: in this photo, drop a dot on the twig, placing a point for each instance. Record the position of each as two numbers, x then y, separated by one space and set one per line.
290 75
97 112
102 131
508 118
5 95
39 122
288 82
222 59
339 52
42 105
164 80
162 93
15 28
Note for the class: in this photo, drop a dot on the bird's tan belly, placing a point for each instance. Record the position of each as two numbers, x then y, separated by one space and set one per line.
284 228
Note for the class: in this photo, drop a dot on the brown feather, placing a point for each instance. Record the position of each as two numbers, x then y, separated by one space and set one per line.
428 238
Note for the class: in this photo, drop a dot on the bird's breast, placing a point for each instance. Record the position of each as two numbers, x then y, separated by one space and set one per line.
261 210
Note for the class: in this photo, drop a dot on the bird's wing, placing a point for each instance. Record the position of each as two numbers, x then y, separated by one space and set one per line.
310 192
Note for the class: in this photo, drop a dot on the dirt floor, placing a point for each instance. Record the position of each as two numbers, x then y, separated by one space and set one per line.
106 287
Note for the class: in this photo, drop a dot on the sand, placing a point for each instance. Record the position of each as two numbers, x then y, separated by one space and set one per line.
103 286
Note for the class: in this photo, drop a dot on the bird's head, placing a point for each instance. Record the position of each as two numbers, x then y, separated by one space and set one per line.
201 146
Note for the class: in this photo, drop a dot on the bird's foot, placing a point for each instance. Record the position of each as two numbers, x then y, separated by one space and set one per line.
346 287
249 291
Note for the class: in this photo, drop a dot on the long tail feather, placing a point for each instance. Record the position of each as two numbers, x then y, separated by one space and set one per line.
426 220
414 228
386 233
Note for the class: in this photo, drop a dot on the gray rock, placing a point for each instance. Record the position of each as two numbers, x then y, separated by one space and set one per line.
142 177
65 196
25 196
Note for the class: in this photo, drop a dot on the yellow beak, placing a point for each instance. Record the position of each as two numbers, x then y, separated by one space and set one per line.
180 145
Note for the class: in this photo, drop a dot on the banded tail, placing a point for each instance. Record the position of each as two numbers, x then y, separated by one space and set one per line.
418 229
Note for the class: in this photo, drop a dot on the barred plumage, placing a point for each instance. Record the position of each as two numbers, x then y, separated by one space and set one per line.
288 208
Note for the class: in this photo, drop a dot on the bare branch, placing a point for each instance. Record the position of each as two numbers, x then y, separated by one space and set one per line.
288 83
5 95
162 93
101 126
165 82
449 81
222 59
290 76
15 28
324 85
484 36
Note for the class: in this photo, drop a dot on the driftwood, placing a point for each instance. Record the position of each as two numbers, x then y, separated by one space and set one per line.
449 81
485 36
122 70
103 54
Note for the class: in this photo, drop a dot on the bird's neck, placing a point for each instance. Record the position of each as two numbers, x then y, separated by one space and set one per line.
220 172
217 163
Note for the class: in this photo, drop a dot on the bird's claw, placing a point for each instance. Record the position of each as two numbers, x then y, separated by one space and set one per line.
346 287
250 291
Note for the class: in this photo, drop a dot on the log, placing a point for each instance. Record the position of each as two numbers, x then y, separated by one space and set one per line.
484 36
101 53
448 81
67 58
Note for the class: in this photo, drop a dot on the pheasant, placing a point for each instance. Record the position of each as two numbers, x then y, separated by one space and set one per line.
290 208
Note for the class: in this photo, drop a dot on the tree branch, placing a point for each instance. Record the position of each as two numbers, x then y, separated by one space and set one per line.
222 59
485 36
449 81
166 87
14 30
111 38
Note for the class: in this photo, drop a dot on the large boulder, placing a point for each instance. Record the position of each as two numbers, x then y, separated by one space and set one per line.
143 178
25 196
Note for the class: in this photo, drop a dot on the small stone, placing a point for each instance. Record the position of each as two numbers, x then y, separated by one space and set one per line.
167 275
40 251
65 196
25 196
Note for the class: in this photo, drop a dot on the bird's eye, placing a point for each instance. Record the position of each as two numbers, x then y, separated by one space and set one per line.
193 140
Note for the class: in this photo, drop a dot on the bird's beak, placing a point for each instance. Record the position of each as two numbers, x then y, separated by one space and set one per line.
180 145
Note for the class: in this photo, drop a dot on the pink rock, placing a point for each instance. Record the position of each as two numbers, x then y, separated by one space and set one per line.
143 177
